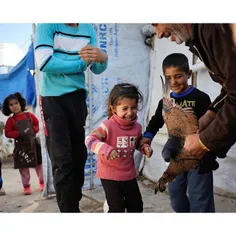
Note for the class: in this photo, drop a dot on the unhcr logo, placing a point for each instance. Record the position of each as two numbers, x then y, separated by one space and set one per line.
103 37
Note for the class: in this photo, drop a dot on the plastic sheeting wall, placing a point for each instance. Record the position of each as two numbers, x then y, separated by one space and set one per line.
225 176
128 62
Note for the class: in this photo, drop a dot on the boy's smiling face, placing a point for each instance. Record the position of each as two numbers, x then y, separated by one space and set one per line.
178 79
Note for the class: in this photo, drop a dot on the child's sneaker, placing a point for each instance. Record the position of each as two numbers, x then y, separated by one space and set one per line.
27 191
0 183
2 192
41 187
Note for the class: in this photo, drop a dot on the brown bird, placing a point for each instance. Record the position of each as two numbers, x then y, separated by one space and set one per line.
180 122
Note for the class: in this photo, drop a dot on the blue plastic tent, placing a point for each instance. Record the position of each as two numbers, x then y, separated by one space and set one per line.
20 79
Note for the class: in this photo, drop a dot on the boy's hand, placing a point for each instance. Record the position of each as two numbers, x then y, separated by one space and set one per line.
113 155
145 140
148 151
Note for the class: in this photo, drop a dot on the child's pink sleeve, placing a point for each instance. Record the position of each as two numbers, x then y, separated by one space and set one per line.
95 142
141 148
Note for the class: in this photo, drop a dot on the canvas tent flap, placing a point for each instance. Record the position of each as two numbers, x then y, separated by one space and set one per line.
20 79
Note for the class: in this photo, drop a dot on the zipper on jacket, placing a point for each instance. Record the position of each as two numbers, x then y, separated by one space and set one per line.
202 60
222 99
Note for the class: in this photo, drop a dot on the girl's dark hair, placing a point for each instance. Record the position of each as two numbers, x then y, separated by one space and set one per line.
176 60
120 91
16 96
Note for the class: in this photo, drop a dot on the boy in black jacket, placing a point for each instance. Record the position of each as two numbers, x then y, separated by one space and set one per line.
199 181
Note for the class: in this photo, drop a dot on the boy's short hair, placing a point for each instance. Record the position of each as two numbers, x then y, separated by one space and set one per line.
176 60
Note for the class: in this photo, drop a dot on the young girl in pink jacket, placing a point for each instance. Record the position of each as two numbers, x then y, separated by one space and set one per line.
115 141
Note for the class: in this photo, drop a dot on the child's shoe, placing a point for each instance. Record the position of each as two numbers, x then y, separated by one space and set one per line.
2 192
0 183
27 191
41 187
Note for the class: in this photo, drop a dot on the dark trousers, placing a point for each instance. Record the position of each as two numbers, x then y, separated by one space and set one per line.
200 191
123 195
0 174
0 169
65 119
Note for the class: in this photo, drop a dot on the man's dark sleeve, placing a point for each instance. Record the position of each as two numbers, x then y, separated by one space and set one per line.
217 104
155 123
220 135
208 162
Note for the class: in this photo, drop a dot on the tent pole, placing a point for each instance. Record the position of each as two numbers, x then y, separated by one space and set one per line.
35 66
89 76
194 76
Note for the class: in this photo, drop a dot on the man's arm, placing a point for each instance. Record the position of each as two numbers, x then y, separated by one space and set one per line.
212 110
44 53
219 135
218 103
206 113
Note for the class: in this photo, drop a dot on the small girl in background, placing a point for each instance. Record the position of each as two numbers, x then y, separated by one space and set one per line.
22 126
115 141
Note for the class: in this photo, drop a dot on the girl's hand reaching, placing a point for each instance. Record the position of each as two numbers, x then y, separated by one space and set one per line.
113 155
148 151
